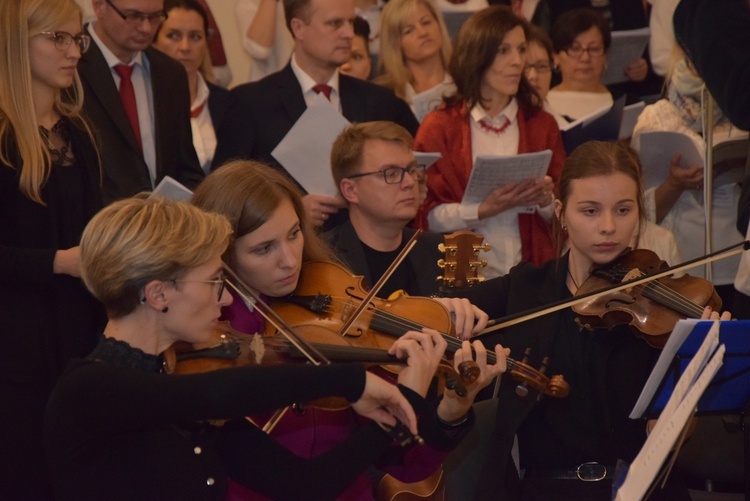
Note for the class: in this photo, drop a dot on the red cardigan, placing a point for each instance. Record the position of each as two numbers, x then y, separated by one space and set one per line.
448 131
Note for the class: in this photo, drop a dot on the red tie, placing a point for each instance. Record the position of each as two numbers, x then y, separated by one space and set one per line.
324 88
127 94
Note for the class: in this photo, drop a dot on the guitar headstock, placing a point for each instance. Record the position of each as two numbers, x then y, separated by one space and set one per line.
461 263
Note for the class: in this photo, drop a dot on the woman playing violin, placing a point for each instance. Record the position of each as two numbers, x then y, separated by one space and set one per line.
118 428
599 207
273 240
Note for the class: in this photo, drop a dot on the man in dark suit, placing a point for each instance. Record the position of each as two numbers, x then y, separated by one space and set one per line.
151 138
376 173
264 111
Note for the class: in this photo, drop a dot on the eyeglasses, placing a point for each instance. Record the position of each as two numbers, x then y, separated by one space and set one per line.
395 174
221 282
542 67
576 51
63 39
136 18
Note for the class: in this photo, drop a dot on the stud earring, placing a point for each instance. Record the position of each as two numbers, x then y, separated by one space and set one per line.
165 309
143 300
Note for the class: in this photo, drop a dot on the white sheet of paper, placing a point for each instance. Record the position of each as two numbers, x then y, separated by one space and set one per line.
305 152
585 120
630 116
698 374
427 158
626 48
169 187
490 172
657 150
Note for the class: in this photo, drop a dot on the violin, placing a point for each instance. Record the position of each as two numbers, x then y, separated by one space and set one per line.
327 295
651 309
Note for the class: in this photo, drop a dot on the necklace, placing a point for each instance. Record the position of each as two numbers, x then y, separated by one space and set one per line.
573 279
60 155
492 128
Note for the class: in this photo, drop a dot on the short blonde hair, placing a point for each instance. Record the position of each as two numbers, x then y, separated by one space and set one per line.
349 147
140 239
394 73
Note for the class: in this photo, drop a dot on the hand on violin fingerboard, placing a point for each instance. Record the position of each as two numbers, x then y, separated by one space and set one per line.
467 318
424 352
453 407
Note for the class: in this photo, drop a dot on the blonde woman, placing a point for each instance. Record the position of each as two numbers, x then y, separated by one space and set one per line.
49 189
414 53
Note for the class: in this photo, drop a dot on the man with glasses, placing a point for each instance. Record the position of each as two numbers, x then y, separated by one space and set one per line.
137 99
265 111
374 168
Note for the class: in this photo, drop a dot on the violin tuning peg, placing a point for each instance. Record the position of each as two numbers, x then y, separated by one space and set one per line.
441 248
441 263
486 247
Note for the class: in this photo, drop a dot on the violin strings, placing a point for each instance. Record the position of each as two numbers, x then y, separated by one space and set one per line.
390 323
665 295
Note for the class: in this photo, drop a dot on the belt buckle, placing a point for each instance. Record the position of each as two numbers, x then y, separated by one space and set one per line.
591 472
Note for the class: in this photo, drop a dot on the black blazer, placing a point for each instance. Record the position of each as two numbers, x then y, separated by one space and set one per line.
125 172
219 100
263 112
423 257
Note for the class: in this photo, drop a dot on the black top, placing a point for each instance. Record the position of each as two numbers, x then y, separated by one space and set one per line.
116 428
47 318
606 371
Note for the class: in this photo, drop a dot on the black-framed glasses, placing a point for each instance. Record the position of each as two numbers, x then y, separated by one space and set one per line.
135 18
541 67
395 174
63 39
576 51
221 282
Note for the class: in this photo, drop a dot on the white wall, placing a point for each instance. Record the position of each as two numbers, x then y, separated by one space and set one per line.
239 60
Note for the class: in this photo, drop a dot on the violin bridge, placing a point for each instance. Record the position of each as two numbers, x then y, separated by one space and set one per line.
258 347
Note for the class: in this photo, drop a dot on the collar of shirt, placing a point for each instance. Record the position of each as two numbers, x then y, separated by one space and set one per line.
110 57
510 112
307 83
201 95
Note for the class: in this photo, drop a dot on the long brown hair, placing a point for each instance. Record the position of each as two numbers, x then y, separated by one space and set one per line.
475 50
248 193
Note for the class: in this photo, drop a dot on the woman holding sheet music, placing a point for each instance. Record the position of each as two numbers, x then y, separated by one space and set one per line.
677 203
494 112
569 447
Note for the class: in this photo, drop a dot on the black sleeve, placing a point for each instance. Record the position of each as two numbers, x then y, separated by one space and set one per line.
743 207
716 36
111 399
260 463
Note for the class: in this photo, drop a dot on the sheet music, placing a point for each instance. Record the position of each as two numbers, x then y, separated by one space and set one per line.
630 116
425 102
305 152
681 331
674 417
626 48
169 187
427 158
492 171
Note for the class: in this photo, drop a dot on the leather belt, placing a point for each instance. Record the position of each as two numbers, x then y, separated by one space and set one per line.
585 472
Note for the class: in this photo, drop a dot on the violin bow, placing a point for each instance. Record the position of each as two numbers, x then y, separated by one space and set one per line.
381 281
252 297
524 316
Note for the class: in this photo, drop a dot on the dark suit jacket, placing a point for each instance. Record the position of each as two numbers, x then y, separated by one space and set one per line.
263 112
125 171
423 257
219 100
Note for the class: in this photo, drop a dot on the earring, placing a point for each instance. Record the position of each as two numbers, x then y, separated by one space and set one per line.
165 309
143 300
564 228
